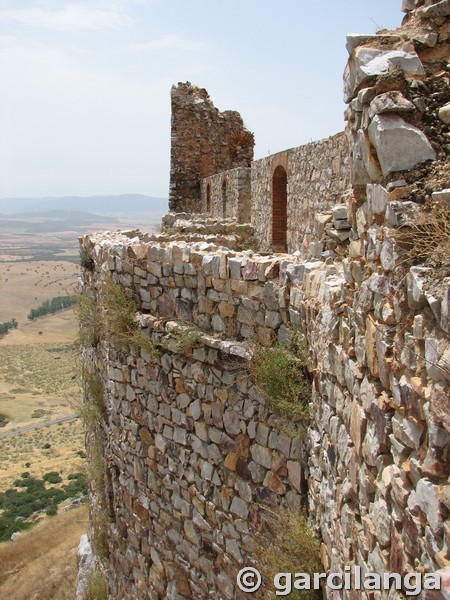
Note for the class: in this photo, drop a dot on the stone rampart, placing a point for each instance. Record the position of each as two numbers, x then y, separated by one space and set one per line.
193 448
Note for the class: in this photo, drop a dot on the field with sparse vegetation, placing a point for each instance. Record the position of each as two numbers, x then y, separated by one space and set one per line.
42 471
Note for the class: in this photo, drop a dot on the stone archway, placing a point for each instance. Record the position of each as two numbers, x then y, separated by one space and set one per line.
279 209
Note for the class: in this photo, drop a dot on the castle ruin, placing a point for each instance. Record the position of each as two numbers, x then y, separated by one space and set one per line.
341 242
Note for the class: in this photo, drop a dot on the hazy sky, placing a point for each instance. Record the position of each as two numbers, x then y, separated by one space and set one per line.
85 85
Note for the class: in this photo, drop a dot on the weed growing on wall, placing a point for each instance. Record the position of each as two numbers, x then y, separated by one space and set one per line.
89 319
186 339
96 587
92 407
86 260
96 464
428 238
288 546
120 318
100 529
281 375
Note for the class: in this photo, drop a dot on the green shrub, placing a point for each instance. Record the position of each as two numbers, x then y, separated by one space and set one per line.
46 446
20 508
7 325
51 510
52 477
281 375
86 260
48 307
287 546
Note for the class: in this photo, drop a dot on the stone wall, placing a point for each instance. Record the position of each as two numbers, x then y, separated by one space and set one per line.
317 177
191 447
227 194
204 141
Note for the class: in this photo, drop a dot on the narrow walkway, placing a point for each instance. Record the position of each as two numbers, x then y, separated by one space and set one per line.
38 426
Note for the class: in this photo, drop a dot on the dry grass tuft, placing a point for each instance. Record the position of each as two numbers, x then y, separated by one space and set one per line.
428 238
97 588
288 546
89 319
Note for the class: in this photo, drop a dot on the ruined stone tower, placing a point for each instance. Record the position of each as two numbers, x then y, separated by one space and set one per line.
203 141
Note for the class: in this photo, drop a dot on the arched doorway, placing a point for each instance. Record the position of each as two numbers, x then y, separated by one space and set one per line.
208 198
279 209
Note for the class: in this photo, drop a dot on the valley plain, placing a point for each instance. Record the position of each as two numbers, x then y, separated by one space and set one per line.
39 385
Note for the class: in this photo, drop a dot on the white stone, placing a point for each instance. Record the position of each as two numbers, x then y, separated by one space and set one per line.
444 113
353 40
399 145
366 63
376 198
442 196
408 432
86 565
339 211
416 282
426 499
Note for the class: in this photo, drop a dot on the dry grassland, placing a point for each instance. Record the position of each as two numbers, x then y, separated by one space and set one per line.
29 452
25 285
41 564
38 382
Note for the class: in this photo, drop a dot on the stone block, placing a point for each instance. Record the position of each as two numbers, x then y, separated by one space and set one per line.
261 455
376 198
239 507
399 145
416 280
294 473
274 483
390 102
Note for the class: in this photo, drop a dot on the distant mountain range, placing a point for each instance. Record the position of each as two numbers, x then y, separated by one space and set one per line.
102 205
